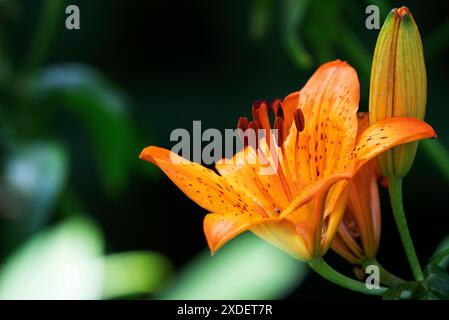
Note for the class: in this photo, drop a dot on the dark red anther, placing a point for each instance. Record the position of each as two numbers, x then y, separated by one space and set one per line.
275 104
280 112
276 107
253 125
256 109
243 123
299 119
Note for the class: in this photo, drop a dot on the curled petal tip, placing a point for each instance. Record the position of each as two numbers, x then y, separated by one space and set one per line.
145 154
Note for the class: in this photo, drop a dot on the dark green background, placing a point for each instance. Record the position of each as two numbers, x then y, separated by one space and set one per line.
179 61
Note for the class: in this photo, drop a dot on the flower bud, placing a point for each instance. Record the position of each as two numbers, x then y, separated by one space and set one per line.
398 85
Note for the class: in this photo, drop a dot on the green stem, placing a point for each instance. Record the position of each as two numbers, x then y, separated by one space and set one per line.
327 272
386 277
45 31
395 190
439 154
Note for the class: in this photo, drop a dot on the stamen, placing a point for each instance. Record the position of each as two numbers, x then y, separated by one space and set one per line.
256 106
280 112
279 126
299 119
276 167
351 225
253 125
261 121
243 123
275 104
243 126
260 115
300 124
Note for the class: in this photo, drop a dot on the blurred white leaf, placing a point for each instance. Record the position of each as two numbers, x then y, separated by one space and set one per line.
246 268
67 262
33 177
137 272
56 264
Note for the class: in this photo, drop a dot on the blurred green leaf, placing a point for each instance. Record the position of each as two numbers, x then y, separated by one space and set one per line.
9 9
33 177
443 261
437 281
321 31
47 25
294 12
5 61
438 154
437 41
56 264
260 18
246 268
355 49
134 273
102 108
403 291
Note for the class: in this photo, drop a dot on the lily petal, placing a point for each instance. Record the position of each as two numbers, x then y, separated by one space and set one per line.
329 102
220 228
334 213
202 185
243 170
343 250
312 190
386 134
283 235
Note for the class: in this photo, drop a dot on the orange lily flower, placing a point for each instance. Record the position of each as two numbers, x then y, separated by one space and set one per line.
358 236
300 206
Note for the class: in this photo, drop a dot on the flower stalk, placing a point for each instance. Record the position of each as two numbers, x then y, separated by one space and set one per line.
330 274
395 191
386 277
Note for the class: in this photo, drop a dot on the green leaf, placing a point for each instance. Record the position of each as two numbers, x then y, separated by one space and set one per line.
441 254
102 109
438 153
260 18
246 268
294 12
56 264
436 41
437 281
321 30
133 273
33 177
403 291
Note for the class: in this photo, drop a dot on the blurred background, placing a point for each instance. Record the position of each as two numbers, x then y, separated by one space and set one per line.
82 217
